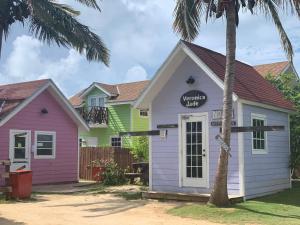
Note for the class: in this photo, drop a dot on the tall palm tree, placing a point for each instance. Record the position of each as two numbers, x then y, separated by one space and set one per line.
52 22
188 16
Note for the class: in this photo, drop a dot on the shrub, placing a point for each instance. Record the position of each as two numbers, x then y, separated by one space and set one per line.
113 175
140 148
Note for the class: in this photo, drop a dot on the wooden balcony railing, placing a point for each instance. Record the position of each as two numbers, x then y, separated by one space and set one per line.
94 115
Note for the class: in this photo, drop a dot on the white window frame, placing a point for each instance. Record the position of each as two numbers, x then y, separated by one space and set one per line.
143 110
97 100
264 118
111 137
53 156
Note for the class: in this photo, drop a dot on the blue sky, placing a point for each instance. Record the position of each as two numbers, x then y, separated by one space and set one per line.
139 35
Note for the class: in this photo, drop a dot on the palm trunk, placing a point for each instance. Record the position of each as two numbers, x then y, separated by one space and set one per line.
219 195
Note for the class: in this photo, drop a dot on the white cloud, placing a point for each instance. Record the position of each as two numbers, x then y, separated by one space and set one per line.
136 73
26 62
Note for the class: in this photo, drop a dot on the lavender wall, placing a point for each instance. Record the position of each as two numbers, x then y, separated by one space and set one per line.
165 109
62 169
269 172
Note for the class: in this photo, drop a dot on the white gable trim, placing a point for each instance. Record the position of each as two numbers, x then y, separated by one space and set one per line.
67 106
151 91
94 85
266 106
24 104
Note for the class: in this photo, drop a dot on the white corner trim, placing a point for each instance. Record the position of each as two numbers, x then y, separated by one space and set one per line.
24 104
180 151
266 106
241 149
150 152
36 156
206 69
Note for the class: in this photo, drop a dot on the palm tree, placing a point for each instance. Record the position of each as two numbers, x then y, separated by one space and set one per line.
188 16
54 23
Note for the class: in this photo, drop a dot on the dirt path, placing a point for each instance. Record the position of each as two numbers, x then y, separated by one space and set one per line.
104 209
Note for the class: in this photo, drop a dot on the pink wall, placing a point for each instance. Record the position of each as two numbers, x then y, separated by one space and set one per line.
65 166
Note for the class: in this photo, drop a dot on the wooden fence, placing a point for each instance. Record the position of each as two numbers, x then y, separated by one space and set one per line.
121 156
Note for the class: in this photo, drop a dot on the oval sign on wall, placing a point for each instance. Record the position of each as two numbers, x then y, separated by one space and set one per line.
193 99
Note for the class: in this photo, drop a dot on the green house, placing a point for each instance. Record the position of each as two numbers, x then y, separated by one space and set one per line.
108 110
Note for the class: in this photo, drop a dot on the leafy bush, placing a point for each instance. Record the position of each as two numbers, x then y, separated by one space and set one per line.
289 85
113 175
140 148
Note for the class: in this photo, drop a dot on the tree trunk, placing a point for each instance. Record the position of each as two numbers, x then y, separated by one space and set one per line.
219 195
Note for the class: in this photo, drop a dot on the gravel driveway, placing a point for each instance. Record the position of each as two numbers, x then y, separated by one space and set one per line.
89 209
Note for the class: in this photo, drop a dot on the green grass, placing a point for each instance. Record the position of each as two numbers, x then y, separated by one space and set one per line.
282 208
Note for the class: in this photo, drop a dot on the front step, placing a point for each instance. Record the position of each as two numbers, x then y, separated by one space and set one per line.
185 197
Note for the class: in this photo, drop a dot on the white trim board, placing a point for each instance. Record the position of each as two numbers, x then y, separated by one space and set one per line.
205 182
35 155
60 98
168 68
241 150
94 85
266 106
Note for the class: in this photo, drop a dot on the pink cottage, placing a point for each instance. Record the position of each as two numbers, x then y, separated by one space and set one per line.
39 130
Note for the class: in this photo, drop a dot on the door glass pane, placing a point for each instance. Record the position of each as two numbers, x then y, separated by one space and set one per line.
20 146
194 149
19 153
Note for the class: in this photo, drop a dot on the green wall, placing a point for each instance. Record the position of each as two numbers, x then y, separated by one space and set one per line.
139 123
122 118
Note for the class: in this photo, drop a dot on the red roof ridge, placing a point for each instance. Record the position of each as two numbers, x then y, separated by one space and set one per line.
25 82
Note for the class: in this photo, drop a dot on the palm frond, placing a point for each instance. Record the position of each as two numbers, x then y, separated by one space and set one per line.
187 18
67 9
296 6
285 41
90 3
52 24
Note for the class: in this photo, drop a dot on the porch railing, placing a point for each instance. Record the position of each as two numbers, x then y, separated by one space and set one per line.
95 115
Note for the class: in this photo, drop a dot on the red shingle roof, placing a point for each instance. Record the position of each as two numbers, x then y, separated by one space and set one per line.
274 69
11 95
249 84
120 92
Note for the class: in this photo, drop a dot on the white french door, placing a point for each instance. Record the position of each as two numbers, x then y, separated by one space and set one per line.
194 136
19 149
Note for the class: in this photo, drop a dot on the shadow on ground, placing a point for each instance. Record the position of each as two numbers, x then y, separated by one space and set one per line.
112 205
4 221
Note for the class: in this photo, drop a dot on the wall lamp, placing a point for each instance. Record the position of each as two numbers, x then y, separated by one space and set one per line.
190 81
44 111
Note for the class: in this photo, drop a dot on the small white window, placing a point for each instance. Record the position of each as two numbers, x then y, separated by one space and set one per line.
45 145
143 113
259 138
116 142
